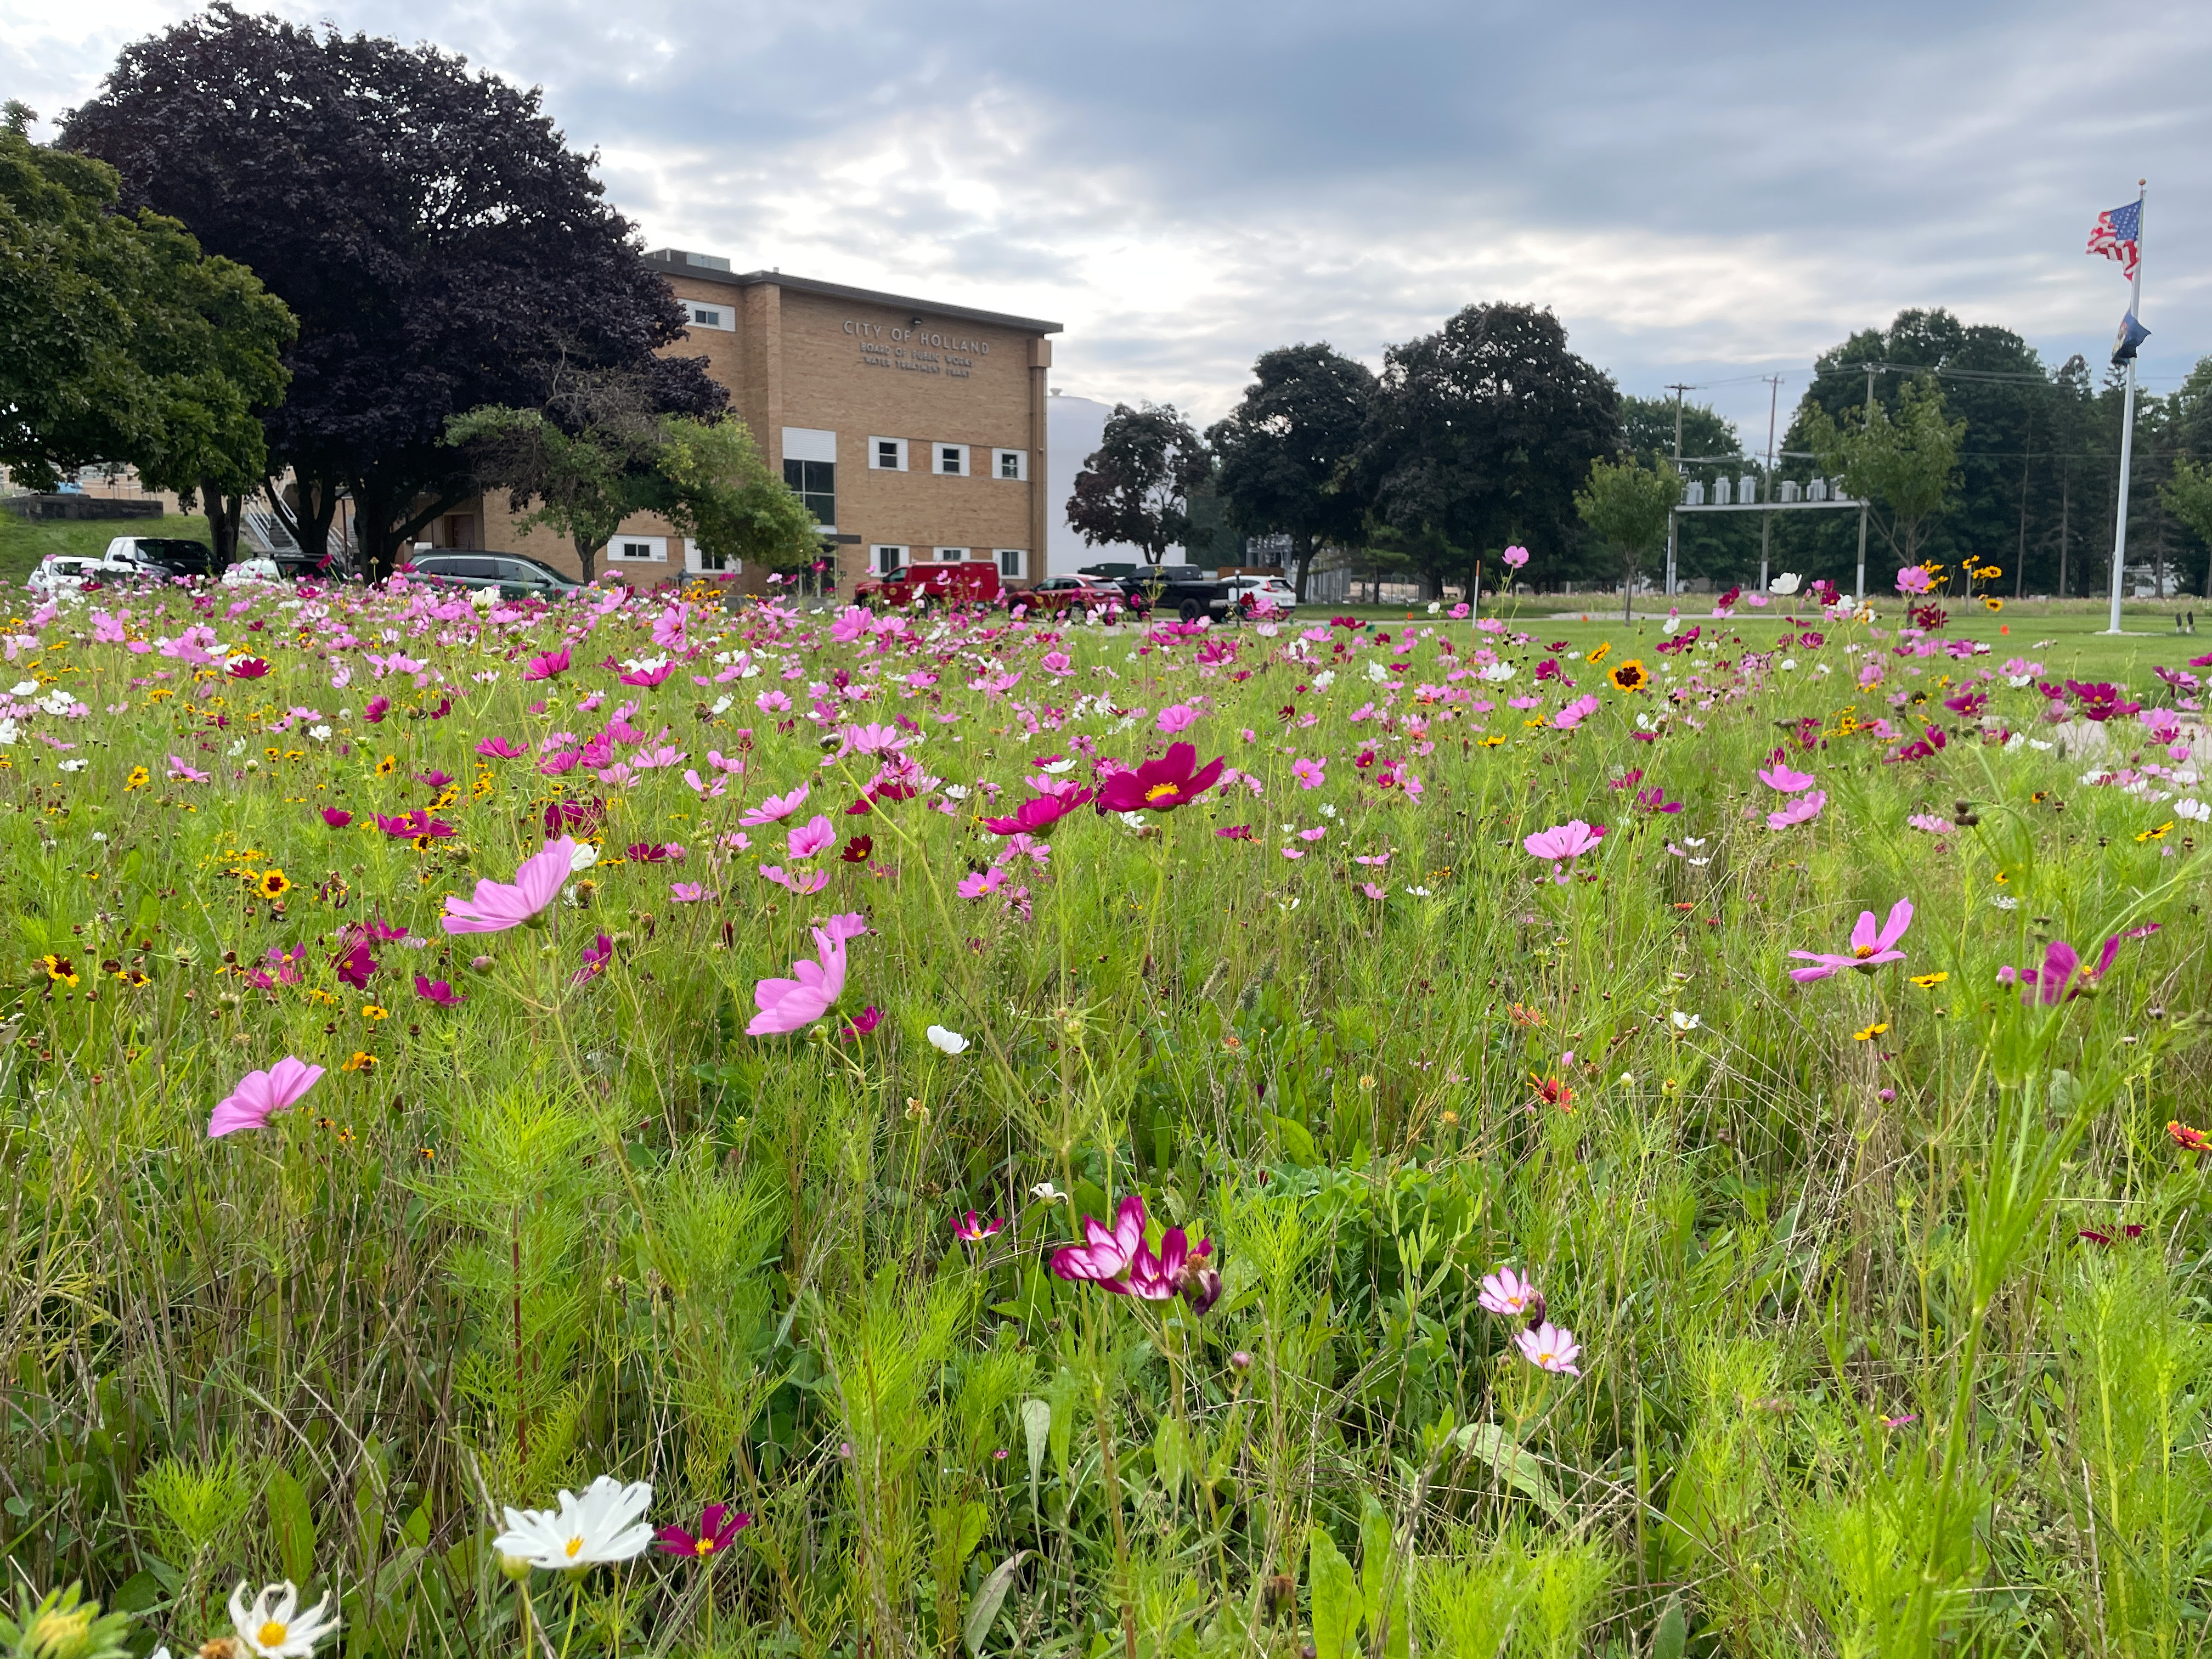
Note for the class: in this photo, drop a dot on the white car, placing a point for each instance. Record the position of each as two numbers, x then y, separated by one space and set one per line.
60 573
252 568
1264 593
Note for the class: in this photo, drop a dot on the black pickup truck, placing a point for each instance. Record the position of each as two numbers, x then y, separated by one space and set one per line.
1170 590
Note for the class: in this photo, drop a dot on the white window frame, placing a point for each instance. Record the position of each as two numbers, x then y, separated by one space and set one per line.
1019 569
876 463
725 314
695 561
656 549
937 454
1021 460
949 555
884 567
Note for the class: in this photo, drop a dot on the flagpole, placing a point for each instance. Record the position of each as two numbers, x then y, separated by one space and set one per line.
2127 418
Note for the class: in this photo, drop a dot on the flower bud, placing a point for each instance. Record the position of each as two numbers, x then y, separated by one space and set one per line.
514 1567
1240 1361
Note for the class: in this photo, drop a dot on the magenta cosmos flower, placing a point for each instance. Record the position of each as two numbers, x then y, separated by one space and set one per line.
972 1229
438 991
1550 1347
1037 815
1120 1261
2064 976
719 1525
500 905
259 1095
1562 842
1870 949
1159 785
788 1004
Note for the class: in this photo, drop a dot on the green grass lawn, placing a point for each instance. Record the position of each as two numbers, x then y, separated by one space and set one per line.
23 543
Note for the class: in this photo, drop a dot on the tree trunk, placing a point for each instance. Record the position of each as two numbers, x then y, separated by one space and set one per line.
224 512
1302 553
308 521
585 558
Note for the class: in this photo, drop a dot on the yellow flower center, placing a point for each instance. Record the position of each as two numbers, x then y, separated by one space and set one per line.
272 1634
574 1546
1863 950
1161 792
705 1547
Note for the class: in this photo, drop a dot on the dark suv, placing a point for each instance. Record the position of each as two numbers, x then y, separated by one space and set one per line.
515 578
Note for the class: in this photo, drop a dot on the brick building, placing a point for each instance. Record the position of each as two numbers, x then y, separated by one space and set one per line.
915 430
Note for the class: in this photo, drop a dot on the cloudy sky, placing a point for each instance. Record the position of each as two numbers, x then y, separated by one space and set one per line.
1704 193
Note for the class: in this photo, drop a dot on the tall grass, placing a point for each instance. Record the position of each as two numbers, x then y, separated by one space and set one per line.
1855 1377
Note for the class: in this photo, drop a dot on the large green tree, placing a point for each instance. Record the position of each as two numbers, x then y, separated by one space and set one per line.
1285 452
1136 487
441 244
120 340
1481 433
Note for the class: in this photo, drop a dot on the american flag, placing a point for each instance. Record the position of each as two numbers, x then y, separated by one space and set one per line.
2117 236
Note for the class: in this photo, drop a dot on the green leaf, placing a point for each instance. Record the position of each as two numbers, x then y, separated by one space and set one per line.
1171 1454
1335 1599
1516 1464
1672 1633
1382 1592
293 1524
1065 1386
1036 1430
991 1595
1297 1145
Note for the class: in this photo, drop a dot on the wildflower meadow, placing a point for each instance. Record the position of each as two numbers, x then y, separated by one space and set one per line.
642 1124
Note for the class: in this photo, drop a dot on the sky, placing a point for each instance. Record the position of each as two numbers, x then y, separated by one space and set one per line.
1707 194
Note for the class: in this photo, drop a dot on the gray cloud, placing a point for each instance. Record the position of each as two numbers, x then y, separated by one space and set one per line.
1704 192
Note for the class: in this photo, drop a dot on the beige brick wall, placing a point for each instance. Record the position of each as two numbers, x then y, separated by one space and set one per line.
867 371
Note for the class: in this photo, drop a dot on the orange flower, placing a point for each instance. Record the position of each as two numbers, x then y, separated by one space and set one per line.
2189 1140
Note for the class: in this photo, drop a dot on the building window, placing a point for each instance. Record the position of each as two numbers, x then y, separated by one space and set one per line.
889 559
950 555
1012 464
887 454
696 559
1013 562
952 460
815 482
705 314
639 549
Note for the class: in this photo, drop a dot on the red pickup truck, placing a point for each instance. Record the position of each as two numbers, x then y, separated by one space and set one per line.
969 581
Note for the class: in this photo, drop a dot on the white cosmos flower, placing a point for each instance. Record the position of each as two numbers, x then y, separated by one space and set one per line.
2192 809
1047 1192
606 1524
1785 584
273 1626
1686 1022
946 1041
583 858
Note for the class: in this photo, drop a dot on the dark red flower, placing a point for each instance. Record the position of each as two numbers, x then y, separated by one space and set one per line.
718 1526
858 849
336 817
248 668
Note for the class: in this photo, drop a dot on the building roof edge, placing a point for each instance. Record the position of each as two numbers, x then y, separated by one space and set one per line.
840 291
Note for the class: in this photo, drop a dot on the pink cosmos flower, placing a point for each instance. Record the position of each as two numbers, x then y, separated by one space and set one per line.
1516 557
259 1095
408 825
1309 773
1506 1292
1550 1347
774 809
1562 843
502 749
1803 810
805 883
1037 815
1161 785
437 991
1574 712
498 905
1870 949
183 773
816 835
1120 1262
688 892
1177 717
1105 1256
972 1229
1780 777
1913 579
596 957
1378 894
788 1004
867 1021
551 665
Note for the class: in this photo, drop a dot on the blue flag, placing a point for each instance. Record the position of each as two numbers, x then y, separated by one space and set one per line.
2132 334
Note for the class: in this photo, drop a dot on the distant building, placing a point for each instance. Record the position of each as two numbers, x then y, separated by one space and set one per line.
915 430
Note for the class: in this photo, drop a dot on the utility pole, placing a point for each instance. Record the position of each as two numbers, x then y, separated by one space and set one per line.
1766 519
1862 504
2128 419
1671 519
